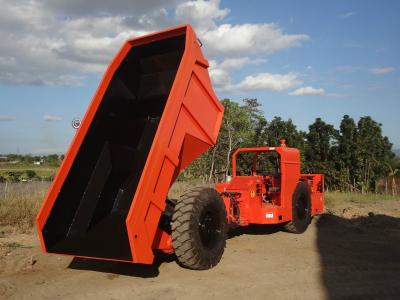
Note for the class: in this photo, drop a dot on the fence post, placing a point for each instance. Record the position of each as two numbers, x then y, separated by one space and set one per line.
5 190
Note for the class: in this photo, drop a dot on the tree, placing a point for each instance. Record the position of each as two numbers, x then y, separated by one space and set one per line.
280 129
235 130
258 123
14 176
321 150
30 174
347 162
352 158
53 160
373 152
393 173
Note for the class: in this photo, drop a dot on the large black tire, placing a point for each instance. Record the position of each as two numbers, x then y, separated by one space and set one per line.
199 228
301 209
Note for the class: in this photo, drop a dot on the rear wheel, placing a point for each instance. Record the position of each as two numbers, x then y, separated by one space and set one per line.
301 209
199 228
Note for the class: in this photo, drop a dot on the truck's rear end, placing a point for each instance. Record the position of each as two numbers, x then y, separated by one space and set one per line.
153 113
267 187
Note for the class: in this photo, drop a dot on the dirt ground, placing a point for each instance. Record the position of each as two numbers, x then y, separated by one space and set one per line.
352 251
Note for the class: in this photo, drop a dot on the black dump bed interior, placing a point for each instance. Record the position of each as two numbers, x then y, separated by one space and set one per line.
88 218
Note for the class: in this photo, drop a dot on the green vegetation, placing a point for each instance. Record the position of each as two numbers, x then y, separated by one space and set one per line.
354 158
16 168
31 174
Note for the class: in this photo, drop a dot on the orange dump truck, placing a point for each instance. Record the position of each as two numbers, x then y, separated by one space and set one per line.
153 113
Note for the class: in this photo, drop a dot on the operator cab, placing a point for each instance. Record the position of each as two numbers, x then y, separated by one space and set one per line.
265 167
269 167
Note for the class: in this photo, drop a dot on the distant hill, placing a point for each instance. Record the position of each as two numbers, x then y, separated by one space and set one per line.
397 152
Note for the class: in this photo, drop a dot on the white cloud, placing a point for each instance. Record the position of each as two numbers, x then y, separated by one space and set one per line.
220 76
119 7
229 39
375 71
307 91
238 63
347 15
382 71
62 42
265 81
219 71
51 118
201 14
248 38
5 118
5 61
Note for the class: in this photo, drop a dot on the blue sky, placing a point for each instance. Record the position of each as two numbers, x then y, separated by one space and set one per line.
301 59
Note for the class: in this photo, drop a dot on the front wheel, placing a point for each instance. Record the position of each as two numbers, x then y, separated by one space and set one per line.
199 228
301 209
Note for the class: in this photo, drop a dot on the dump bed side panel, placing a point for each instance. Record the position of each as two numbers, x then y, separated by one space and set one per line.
189 126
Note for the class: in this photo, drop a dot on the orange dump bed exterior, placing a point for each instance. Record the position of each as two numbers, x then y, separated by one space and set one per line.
153 113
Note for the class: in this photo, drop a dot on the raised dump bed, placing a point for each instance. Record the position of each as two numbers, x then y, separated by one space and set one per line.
153 113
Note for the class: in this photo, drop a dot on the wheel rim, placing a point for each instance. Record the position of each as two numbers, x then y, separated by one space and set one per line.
209 229
302 207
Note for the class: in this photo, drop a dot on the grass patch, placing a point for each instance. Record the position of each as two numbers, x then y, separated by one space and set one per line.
20 202
334 198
